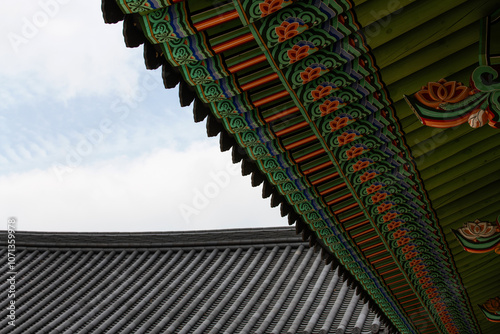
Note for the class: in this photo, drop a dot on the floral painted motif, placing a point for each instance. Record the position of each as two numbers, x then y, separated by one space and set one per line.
138 6
399 233
423 280
430 290
411 255
355 150
441 306
395 224
330 105
368 176
437 93
323 90
374 188
379 197
422 273
479 236
270 6
361 164
299 51
347 137
384 207
390 216
403 241
414 262
492 305
418 268
312 72
408 248
288 28
434 301
445 104
478 229
433 294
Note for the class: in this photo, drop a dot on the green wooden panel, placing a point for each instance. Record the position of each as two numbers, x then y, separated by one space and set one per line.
464 167
425 141
467 183
470 211
439 50
409 18
433 30
464 200
374 10
444 151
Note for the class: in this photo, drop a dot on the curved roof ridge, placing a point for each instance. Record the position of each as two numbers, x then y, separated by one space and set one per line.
201 238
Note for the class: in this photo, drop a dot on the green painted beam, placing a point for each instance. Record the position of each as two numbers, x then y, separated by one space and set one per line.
434 52
471 266
442 152
370 11
409 18
467 183
470 211
483 157
432 138
242 56
203 5
464 200
208 12
356 3
410 123
433 30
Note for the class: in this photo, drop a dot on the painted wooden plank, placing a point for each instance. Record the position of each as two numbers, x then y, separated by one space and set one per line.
433 30
439 50
445 151
409 18
489 162
464 200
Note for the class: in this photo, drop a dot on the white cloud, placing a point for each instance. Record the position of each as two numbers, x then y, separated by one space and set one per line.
59 84
71 53
141 194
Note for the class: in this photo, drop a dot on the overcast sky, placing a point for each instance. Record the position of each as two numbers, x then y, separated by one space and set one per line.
91 141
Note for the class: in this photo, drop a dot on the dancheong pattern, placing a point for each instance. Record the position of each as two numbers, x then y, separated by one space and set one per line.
491 309
295 85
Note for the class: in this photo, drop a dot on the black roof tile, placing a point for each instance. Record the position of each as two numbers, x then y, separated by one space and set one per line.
228 281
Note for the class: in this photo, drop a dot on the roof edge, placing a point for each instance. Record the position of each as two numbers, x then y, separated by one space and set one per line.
199 238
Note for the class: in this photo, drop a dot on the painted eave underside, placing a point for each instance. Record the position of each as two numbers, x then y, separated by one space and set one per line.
376 51
227 281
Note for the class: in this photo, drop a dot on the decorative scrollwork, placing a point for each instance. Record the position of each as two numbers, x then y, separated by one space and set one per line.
479 236
491 309
138 6
445 104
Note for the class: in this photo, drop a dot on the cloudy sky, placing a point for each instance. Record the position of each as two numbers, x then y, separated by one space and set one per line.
91 141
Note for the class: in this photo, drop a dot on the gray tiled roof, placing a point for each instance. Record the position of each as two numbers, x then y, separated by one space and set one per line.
228 281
